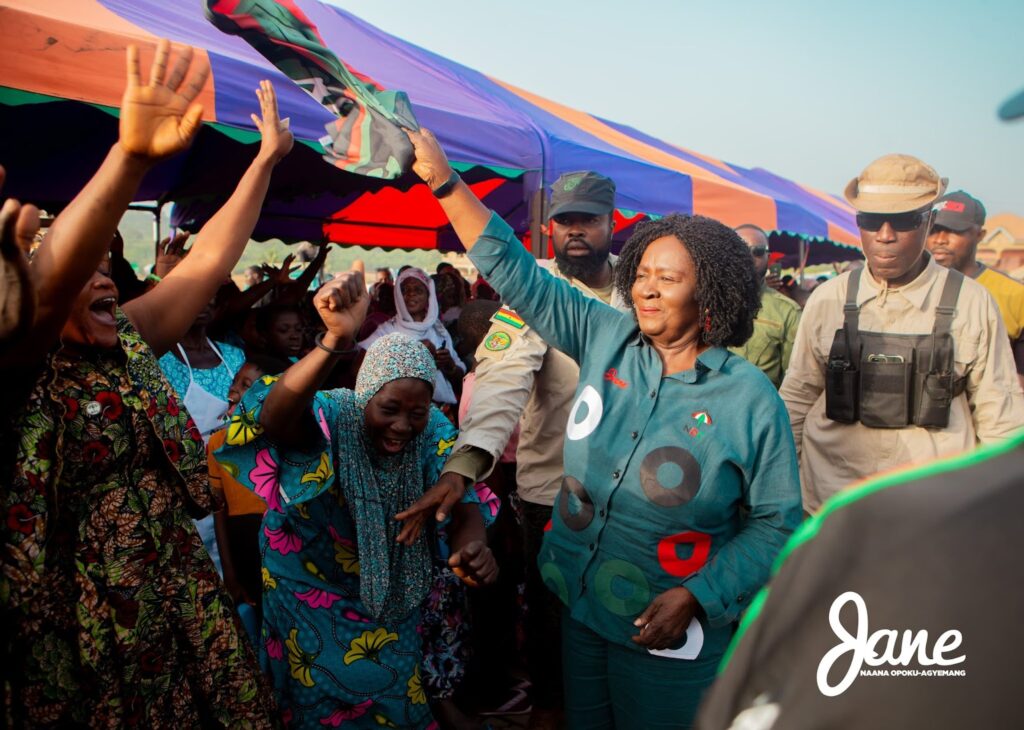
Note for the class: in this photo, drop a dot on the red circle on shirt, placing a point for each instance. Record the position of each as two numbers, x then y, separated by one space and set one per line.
668 553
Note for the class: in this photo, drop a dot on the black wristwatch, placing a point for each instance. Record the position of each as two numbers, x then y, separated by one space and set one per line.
447 186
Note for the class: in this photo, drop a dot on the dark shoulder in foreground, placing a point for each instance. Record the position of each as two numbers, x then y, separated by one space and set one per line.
926 549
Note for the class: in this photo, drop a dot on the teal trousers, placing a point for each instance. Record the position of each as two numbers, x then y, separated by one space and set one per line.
608 685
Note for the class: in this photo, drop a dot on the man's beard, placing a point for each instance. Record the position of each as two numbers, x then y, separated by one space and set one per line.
581 267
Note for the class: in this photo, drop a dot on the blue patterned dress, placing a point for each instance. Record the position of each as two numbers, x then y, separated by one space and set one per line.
330 661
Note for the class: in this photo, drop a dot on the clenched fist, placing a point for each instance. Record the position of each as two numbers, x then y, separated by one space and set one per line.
342 304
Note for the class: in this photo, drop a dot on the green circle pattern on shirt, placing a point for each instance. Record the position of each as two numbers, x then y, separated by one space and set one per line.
617 574
554 580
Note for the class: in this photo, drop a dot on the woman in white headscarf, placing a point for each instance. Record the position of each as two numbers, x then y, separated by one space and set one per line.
416 303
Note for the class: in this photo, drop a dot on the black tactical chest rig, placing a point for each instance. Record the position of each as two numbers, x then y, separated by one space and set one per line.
889 380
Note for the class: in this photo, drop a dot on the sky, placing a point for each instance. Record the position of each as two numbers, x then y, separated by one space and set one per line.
812 91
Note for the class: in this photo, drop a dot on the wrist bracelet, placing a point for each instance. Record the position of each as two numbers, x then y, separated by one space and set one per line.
153 277
447 186
319 340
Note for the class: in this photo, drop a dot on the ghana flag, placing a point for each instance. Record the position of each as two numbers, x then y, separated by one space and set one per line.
367 137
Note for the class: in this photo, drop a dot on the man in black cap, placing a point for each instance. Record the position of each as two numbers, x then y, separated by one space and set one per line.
958 229
581 228
521 381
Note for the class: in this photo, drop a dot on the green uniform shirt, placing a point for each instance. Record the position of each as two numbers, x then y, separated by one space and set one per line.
771 344
688 479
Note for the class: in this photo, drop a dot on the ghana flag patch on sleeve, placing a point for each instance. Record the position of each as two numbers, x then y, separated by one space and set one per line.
509 317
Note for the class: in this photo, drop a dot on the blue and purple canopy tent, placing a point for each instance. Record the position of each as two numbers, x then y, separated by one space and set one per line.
62 75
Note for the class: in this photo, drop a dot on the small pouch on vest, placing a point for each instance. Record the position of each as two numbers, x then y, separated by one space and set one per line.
885 388
937 385
841 393
935 392
841 382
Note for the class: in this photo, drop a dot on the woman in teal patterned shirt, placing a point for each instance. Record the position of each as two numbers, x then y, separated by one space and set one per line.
681 479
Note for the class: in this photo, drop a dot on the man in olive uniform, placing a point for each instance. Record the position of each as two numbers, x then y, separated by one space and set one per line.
520 380
771 344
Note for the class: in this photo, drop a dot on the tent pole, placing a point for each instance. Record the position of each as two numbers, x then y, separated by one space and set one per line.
538 244
156 222
156 210
802 256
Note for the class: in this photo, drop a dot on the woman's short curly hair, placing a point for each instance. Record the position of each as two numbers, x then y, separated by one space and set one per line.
727 286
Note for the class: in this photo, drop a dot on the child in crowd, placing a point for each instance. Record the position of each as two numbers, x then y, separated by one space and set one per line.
238 523
281 332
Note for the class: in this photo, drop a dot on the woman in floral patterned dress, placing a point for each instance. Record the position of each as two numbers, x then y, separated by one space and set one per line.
113 614
342 596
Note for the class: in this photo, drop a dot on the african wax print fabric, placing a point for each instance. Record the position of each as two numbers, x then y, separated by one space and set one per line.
331 661
113 613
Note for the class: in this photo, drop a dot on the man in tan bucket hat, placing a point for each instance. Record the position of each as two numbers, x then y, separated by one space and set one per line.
900 361
895 184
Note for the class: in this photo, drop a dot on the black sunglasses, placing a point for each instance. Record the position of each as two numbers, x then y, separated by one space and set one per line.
900 222
758 251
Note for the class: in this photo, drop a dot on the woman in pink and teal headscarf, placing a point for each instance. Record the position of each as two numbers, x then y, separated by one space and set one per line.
343 600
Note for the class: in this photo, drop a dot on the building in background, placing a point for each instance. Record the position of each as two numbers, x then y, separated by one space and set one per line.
1003 245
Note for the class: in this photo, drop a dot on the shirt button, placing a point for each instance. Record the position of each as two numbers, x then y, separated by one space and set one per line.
741 598
583 586
591 547
654 393
601 513
633 435
616 474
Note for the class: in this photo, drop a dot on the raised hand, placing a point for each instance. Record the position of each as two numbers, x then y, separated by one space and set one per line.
169 253
342 304
431 163
280 275
277 140
161 118
467 214
18 227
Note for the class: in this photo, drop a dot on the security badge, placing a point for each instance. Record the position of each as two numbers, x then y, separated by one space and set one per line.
498 341
509 326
